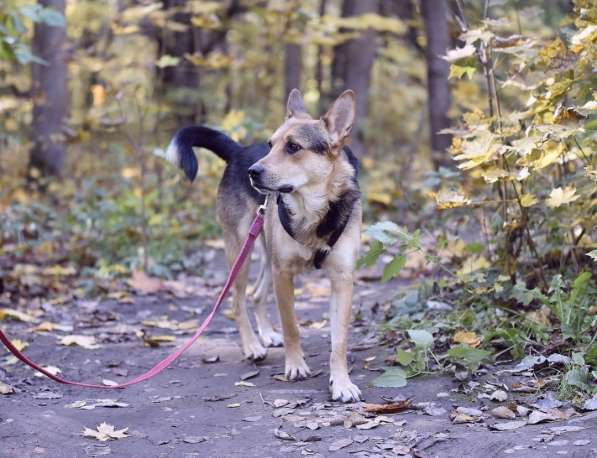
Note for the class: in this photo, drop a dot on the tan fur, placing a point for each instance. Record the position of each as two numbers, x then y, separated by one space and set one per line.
316 178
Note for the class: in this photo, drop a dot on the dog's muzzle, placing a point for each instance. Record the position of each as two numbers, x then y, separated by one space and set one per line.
256 172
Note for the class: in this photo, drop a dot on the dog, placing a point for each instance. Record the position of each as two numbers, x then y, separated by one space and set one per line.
313 220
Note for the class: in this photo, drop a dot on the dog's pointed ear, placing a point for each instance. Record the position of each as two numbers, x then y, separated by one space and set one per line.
340 118
295 105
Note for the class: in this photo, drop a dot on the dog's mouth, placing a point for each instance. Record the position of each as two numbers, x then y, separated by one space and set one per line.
261 188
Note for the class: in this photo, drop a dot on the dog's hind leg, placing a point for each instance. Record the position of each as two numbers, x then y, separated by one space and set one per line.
268 335
252 348
296 367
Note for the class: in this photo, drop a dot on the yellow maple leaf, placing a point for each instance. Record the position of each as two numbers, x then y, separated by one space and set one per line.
562 196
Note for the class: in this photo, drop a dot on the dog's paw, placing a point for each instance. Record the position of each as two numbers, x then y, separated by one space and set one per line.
297 369
342 389
254 351
271 338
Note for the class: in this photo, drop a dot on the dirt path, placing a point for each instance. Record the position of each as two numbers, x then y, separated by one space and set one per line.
198 407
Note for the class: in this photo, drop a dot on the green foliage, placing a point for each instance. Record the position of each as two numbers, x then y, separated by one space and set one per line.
13 29
535 147
393 377
388 235
467 356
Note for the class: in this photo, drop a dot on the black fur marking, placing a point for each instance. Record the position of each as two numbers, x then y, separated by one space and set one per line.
319 257
284 215
204 137
333 223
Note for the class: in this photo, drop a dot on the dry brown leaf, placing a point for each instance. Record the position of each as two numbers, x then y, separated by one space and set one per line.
144 283
155 341
503 412
393 407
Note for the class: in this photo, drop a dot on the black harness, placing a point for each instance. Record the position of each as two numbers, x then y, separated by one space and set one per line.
331 226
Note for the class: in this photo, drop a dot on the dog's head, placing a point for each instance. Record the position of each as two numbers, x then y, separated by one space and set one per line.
303 150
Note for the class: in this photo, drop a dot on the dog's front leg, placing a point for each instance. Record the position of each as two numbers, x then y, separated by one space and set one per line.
295 362
341 386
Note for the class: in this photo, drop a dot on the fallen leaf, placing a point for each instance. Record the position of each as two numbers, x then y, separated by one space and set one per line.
47 395
155 341
234 405
498 395
369 424
469 411
145 284
245 384
459 418
508 425
503 412
194 439
105 432
6 389
210 359
90 405
79 340
280 402
340 444
218 397
47 326
51 369
282 412
590 404
249 375
393 407
536 416
467 337
435 411
283 435
15 315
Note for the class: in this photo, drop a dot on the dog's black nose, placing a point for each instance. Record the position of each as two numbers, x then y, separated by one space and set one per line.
256 170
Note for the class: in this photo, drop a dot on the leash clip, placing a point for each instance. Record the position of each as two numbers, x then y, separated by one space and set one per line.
263 206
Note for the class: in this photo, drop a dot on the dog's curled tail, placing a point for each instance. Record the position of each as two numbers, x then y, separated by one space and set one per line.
180 151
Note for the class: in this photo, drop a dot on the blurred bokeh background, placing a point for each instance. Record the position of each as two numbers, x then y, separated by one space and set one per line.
91 92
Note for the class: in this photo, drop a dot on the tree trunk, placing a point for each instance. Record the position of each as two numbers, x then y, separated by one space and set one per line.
182 79
353 63
50 95
341 54
293 65
434 14
319 64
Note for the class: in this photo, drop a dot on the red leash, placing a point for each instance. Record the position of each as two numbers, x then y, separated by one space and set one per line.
254 232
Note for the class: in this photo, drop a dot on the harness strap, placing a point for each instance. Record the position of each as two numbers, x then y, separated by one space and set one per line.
330 227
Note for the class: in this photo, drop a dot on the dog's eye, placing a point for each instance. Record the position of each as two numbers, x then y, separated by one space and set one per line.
292 147
270 144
